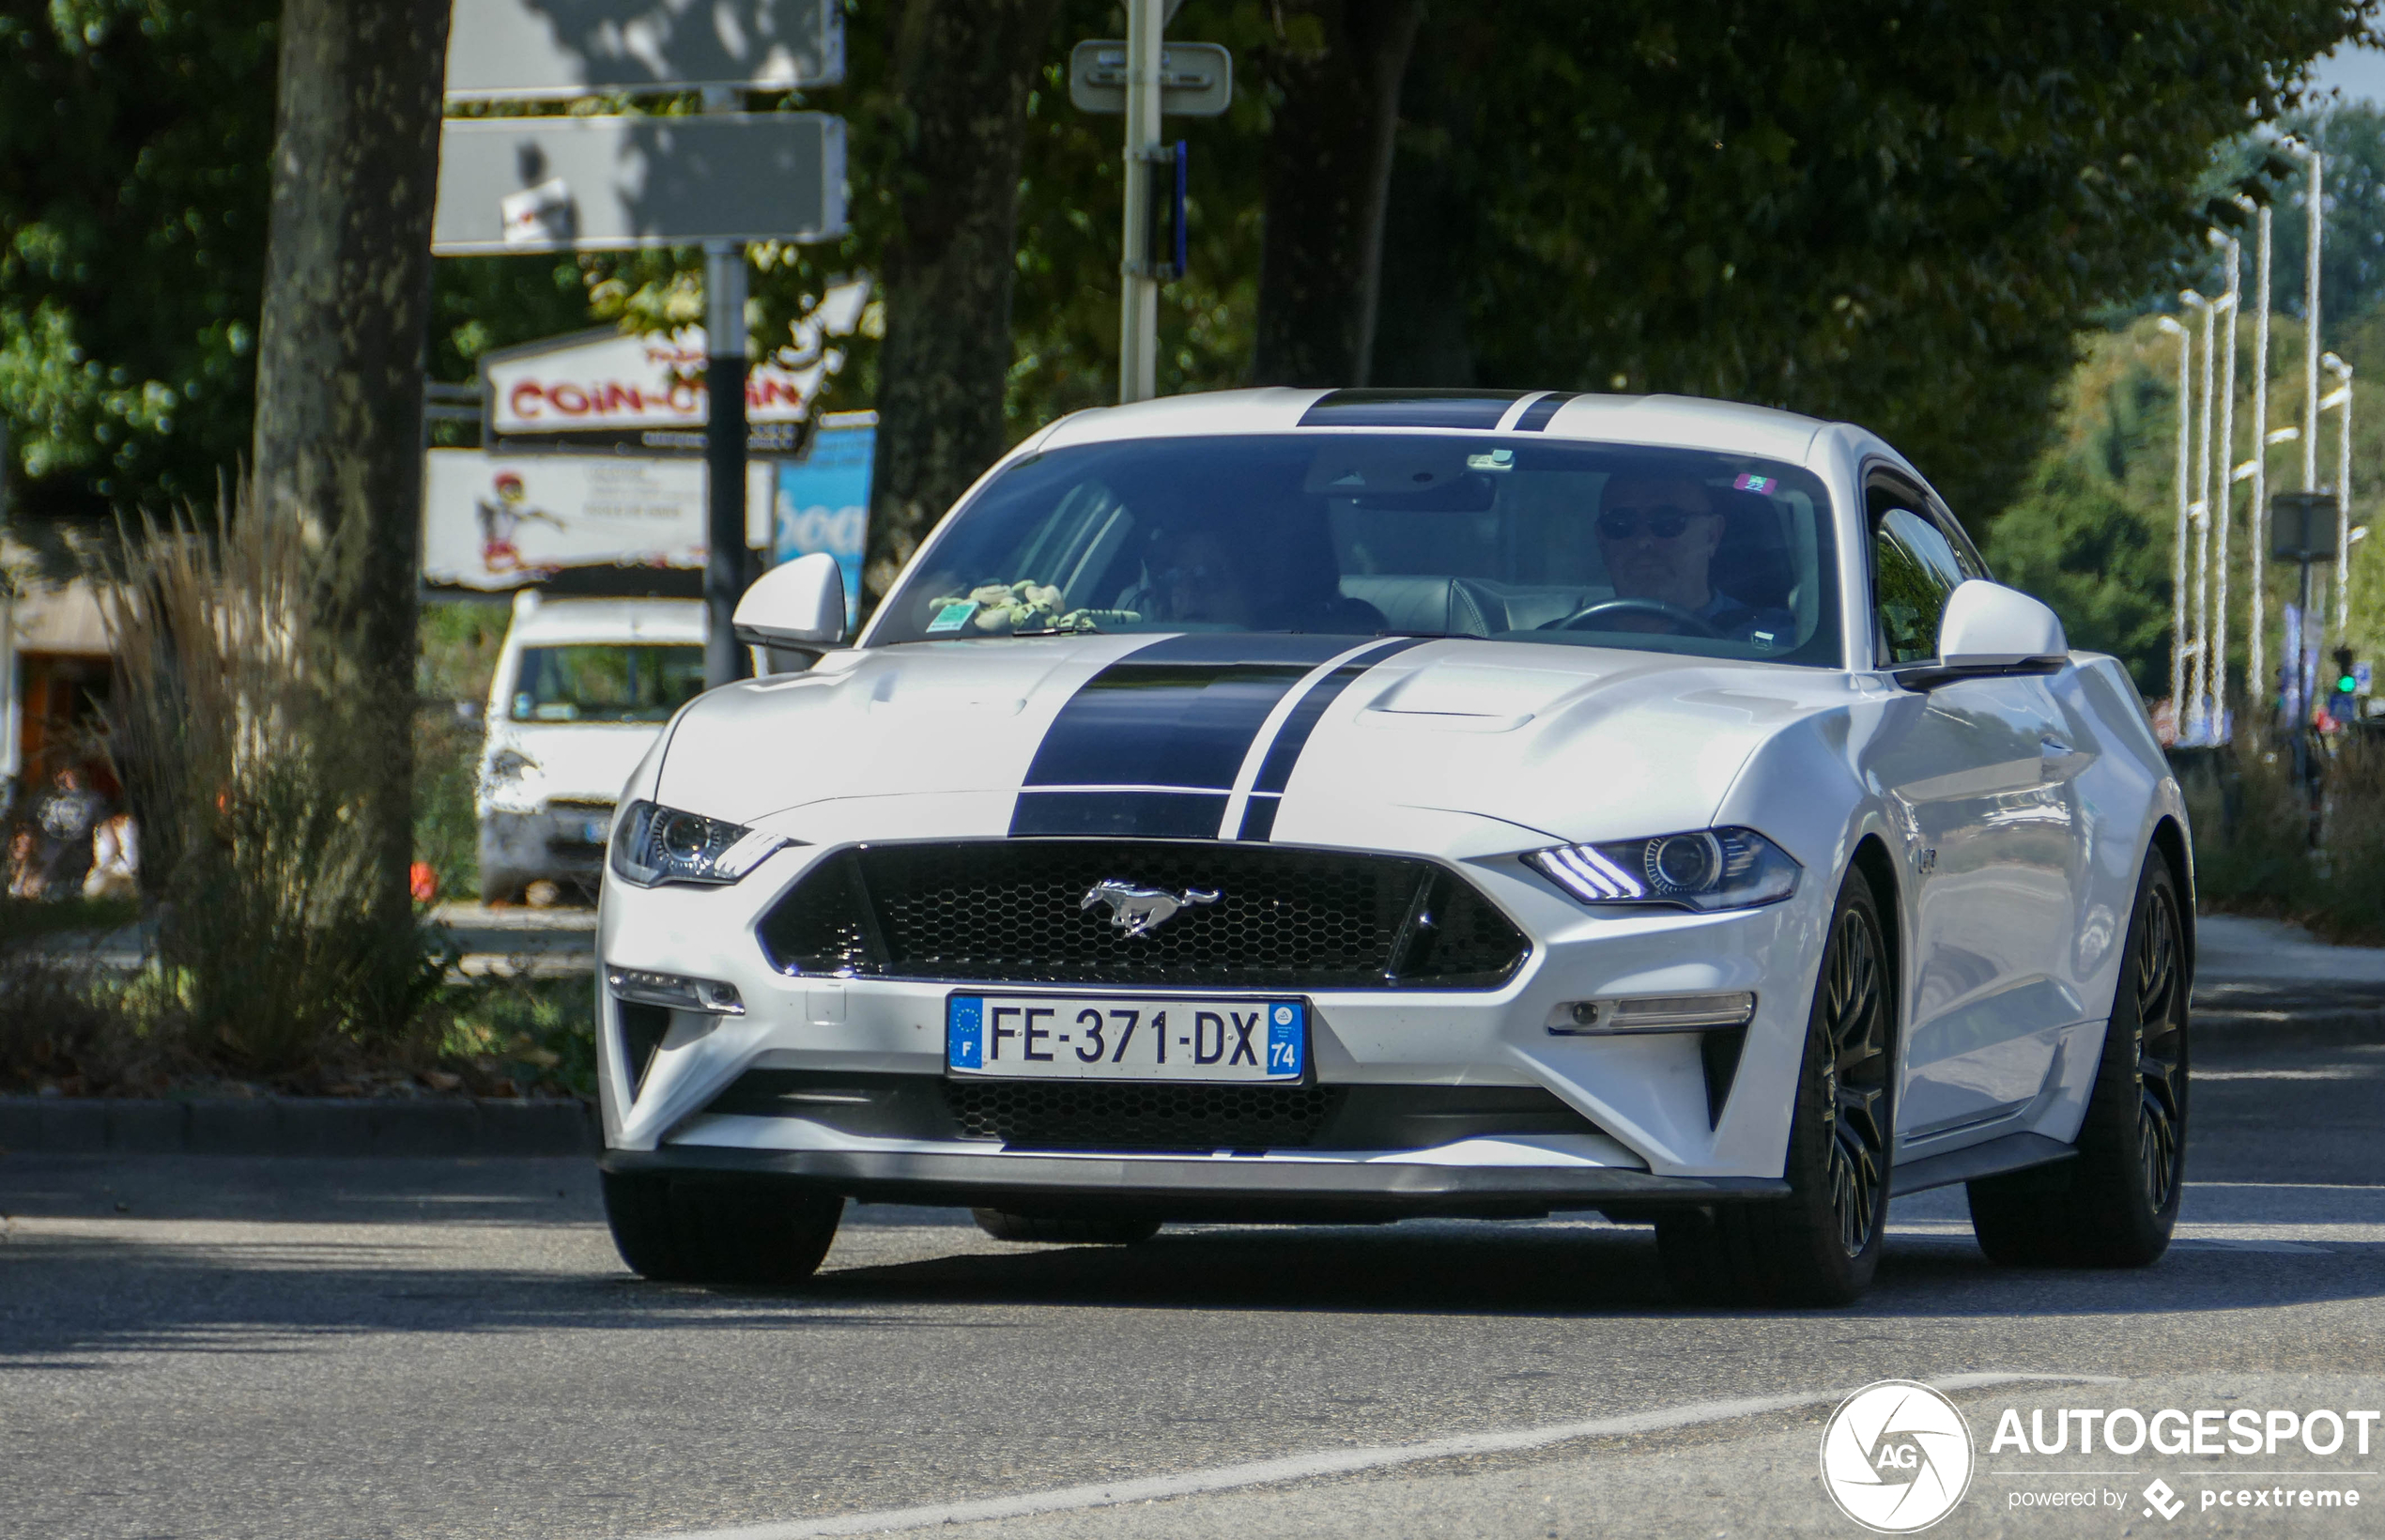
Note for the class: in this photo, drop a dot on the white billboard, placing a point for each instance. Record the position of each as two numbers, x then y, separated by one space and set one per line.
501 521
623 183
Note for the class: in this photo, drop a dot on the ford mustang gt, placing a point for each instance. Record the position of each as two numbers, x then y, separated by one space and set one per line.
1346 806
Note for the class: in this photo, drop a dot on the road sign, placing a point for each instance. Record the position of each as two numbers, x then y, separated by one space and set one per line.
2303 527
553 184
1197 80
608 382
537 48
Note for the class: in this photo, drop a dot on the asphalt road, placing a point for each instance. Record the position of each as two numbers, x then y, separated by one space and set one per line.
266 1348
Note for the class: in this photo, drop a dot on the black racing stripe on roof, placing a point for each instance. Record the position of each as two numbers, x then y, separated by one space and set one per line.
1536 416
1411 409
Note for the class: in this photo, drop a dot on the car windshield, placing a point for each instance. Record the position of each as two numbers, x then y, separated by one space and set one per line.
603 681
1670 550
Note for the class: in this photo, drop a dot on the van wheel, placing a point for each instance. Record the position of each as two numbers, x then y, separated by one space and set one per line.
720 1230
1822 1244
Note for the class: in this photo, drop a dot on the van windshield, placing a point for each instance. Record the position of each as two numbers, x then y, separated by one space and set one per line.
1680 550
603 682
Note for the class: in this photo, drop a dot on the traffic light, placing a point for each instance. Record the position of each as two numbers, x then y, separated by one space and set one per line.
2347 681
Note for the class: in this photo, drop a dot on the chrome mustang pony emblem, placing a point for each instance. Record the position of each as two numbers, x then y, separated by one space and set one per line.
1138 910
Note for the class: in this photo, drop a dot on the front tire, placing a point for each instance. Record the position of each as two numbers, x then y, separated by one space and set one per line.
2114 1204
1065 1230
1822 1244
715 1230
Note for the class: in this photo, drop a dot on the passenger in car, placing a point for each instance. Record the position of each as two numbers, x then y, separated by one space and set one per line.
1658 535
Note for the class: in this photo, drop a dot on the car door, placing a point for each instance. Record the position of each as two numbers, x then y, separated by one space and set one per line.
1988 831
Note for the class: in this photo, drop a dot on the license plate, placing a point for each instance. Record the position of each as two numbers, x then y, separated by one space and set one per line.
1074 1038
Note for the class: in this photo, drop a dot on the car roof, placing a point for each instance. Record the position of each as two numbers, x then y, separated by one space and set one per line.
1663 420
564 620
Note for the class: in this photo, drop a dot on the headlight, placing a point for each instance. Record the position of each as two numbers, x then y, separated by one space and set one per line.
1705 869
660 844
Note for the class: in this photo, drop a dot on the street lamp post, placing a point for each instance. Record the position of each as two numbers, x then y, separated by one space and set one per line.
2185 500
2256 677
2192 726
2219 518
2341 397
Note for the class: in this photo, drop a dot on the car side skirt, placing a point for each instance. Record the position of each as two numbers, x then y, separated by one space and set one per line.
2013 1152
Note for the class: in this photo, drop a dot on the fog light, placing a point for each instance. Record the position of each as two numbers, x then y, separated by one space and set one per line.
1652 1013
675 993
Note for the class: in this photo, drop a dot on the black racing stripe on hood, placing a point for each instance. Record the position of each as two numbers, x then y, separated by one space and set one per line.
1285 751
1152 814
1179 713
1410 409
1275 772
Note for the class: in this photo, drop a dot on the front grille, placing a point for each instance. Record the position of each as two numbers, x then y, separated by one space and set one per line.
1012 911
1066 1114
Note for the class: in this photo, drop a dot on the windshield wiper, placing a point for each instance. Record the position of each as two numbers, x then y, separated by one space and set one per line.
1087 630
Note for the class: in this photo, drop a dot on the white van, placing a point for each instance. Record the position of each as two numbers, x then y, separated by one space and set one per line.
581 688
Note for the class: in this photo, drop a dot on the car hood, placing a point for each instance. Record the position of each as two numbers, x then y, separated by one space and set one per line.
1185 736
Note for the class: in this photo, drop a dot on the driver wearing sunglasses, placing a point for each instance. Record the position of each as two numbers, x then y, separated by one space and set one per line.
1658 535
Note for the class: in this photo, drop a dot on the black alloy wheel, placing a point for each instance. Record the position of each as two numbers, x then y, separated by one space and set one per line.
1821 1244
1855 1026
2157 971
2115 1202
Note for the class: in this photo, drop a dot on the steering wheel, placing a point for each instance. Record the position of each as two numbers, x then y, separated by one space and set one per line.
1583 618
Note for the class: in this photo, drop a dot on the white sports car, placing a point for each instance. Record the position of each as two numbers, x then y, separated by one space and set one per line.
1342 806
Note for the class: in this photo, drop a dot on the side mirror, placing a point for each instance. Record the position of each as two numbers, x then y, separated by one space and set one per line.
798 608
1989 630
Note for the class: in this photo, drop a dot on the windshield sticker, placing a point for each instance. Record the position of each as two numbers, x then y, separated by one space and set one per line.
951 616
1752 482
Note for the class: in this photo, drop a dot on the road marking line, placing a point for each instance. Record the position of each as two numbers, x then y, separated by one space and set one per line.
1334 1462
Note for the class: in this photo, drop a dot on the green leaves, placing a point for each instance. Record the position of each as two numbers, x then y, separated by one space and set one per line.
133 144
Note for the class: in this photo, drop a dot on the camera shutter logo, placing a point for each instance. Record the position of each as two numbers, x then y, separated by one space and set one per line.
1896 1456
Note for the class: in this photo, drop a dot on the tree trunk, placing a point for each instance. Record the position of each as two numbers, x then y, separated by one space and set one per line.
1422 333
962 72
339 385
1329 161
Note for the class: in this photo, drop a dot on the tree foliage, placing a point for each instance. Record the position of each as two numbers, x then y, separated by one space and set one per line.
134 147
1898 211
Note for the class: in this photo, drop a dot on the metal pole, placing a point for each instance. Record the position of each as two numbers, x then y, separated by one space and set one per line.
1139 285
2215 677
724 457
2311 338
2256 677
2198 661
2344 509
2177 553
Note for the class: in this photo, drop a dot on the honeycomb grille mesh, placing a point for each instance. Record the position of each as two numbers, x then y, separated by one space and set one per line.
1064 1115
1013 911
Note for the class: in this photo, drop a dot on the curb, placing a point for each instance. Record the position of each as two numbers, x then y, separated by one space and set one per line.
291 1125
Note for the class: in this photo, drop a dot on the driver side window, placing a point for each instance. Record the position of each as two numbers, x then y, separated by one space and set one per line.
1913 572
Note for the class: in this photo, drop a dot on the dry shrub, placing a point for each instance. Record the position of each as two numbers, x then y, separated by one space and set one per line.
248 745
2254 851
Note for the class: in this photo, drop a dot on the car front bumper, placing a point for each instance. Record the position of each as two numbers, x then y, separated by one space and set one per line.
1194 1188
1664 1132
